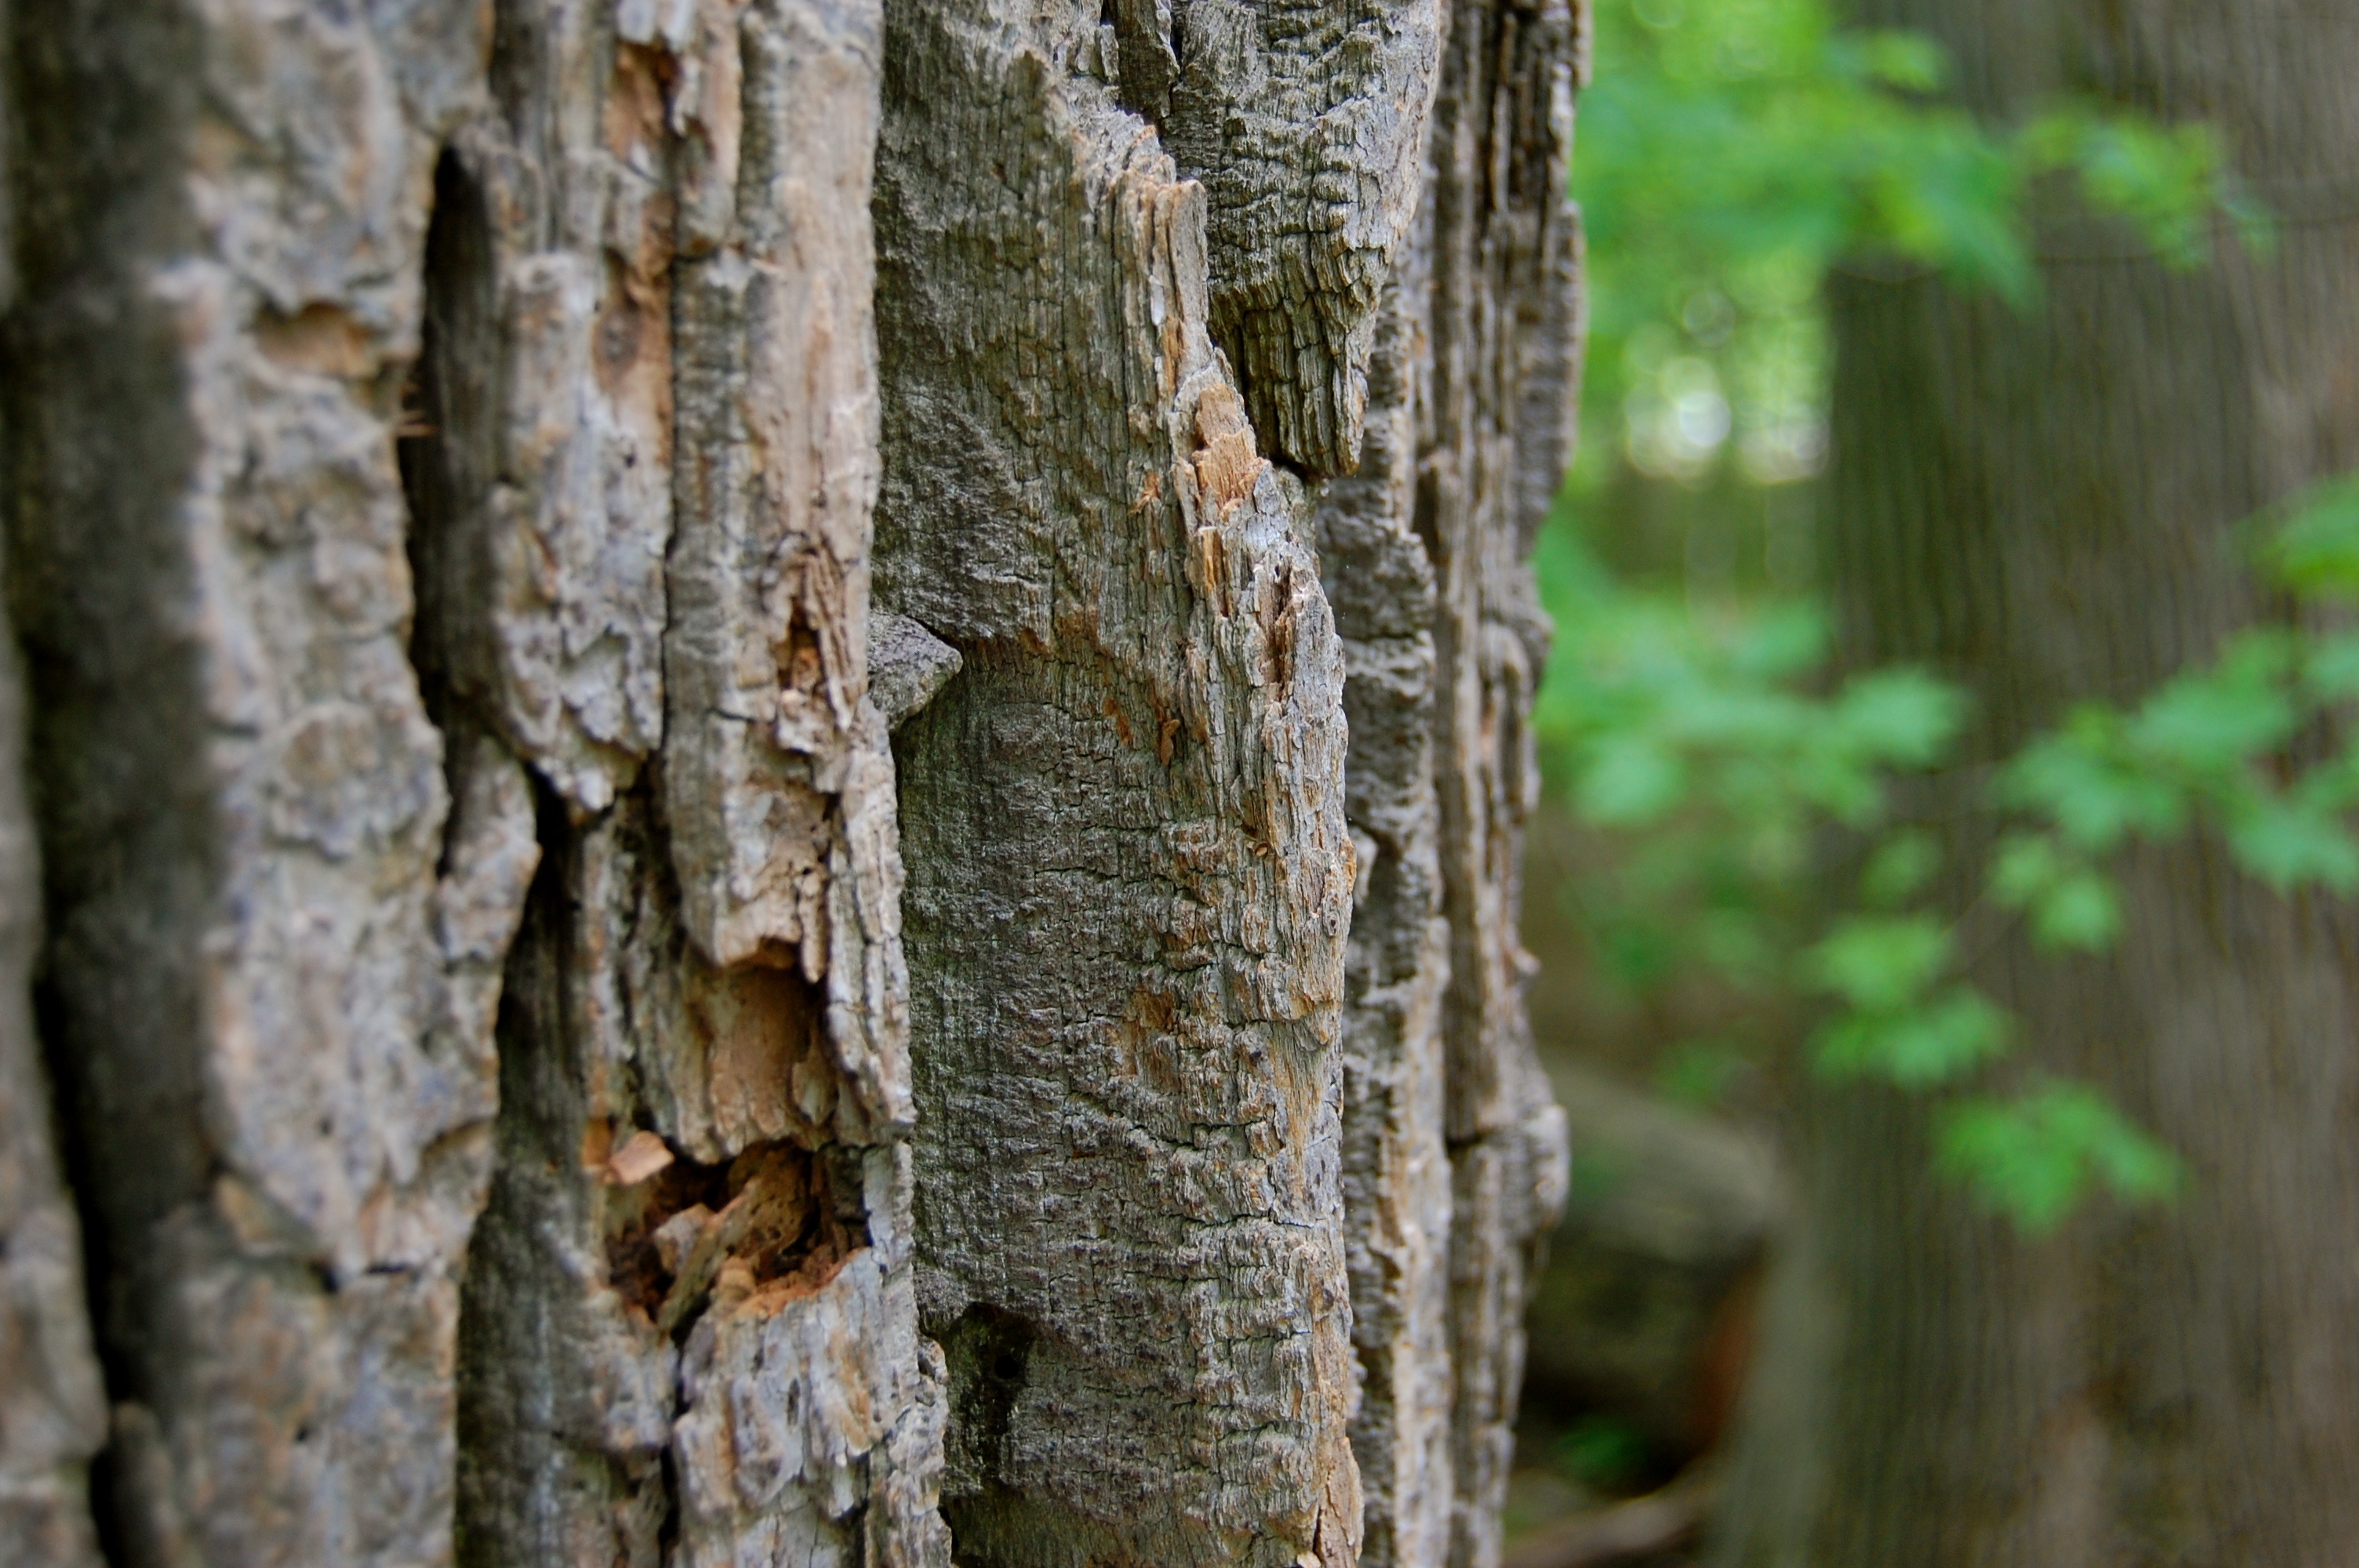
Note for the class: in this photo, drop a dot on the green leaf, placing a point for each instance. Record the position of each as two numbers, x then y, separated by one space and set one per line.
1902 717
2070 903
1630 780
2286 844
2330 668
2211 721
2079 912
1699 1071
2075 780
2035 1158
1935 1042
2023 868
2316 549
2011 1162
1880 964
1906 60
1898 870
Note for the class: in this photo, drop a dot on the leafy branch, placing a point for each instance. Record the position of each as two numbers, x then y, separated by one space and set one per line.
1708 742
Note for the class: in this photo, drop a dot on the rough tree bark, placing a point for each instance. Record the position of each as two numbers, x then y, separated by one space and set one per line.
507 1119
2044 504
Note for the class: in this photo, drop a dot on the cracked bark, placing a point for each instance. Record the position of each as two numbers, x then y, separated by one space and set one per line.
442 443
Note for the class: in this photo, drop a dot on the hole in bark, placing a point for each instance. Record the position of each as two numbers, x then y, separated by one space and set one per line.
768 1224
990 1351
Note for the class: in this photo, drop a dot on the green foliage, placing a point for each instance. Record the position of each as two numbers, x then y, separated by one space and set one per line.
1732 153
2315 550
1702 739
2034 1157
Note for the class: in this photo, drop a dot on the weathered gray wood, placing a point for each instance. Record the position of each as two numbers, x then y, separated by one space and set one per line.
292 841
1453 1155
1130 877
689 1334
1396 1173
279 1083
52 1405
1306 123
1504 338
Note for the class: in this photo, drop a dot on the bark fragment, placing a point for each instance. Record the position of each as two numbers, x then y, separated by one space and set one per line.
690 1331
1307 125
1129 871
1470 426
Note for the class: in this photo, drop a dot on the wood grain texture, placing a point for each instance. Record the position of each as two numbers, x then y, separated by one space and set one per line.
1397 1174
1305 121
1129 876
418 737
1453 1153
1052 421
1504 336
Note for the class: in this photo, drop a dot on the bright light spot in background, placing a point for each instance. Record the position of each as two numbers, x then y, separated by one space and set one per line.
1678 418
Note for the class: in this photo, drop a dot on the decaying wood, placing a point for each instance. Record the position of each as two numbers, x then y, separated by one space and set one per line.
442 443
708 1355
269 931
1504 334
1129 874
1453 1153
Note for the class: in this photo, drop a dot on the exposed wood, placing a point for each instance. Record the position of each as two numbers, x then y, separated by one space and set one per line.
1130 875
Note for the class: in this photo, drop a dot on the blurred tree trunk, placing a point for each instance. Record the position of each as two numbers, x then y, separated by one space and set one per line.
2043 504
507 1122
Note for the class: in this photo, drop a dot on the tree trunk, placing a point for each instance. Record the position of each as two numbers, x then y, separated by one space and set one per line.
508 1119
2044 504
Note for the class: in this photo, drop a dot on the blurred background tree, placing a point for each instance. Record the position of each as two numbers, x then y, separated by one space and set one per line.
2045 276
